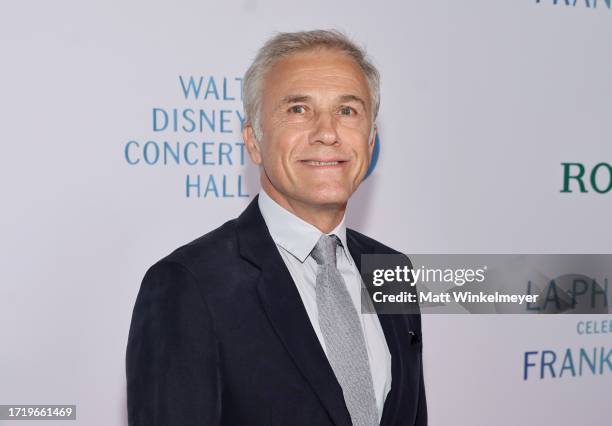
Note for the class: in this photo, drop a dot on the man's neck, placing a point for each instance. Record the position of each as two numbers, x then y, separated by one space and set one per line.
325 217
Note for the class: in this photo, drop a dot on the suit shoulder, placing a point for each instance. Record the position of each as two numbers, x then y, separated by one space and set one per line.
220 243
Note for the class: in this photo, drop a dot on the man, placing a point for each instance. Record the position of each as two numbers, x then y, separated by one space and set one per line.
259 322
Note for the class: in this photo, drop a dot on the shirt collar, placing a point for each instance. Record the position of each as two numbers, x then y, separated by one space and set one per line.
293 234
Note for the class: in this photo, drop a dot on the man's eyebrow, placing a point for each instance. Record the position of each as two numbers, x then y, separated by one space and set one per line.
353 98
292 99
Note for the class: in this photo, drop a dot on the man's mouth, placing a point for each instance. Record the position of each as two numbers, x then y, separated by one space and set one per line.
323 163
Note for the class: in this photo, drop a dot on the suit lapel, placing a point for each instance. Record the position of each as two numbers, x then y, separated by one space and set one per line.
397 409
285 310
288 317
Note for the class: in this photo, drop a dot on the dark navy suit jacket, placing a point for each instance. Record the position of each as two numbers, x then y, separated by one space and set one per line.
219 336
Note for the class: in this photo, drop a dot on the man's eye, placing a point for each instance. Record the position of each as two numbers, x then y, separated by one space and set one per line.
298 109
346 110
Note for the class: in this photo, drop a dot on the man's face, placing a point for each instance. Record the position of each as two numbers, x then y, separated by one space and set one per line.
316 120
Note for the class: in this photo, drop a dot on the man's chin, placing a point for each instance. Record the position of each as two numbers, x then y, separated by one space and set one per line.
329 199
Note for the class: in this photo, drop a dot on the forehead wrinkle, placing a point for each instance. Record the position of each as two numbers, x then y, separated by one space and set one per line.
300 76
349 88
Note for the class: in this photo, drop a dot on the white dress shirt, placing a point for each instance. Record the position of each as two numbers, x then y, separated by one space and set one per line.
295 239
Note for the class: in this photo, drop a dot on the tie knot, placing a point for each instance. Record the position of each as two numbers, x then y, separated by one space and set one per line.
324 252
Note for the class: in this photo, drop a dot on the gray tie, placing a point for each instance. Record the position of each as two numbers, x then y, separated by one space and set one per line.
344 340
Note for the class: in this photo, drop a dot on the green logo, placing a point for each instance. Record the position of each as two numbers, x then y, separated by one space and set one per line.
576 176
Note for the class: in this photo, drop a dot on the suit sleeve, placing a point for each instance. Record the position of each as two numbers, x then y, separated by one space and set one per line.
172 353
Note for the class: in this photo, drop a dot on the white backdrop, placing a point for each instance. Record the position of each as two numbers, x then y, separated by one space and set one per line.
481 103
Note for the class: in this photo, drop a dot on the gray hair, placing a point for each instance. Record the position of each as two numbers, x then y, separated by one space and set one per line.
284 44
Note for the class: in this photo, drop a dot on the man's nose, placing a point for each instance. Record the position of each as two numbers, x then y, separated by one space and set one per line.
325 130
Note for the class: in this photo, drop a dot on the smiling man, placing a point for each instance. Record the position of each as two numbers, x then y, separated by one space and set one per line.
259 321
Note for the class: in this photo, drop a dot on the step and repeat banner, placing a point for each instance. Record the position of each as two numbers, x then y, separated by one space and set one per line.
121 141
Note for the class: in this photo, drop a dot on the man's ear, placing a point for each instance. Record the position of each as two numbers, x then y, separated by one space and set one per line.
252 144
372 140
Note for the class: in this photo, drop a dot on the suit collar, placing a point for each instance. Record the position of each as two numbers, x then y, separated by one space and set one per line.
293 234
